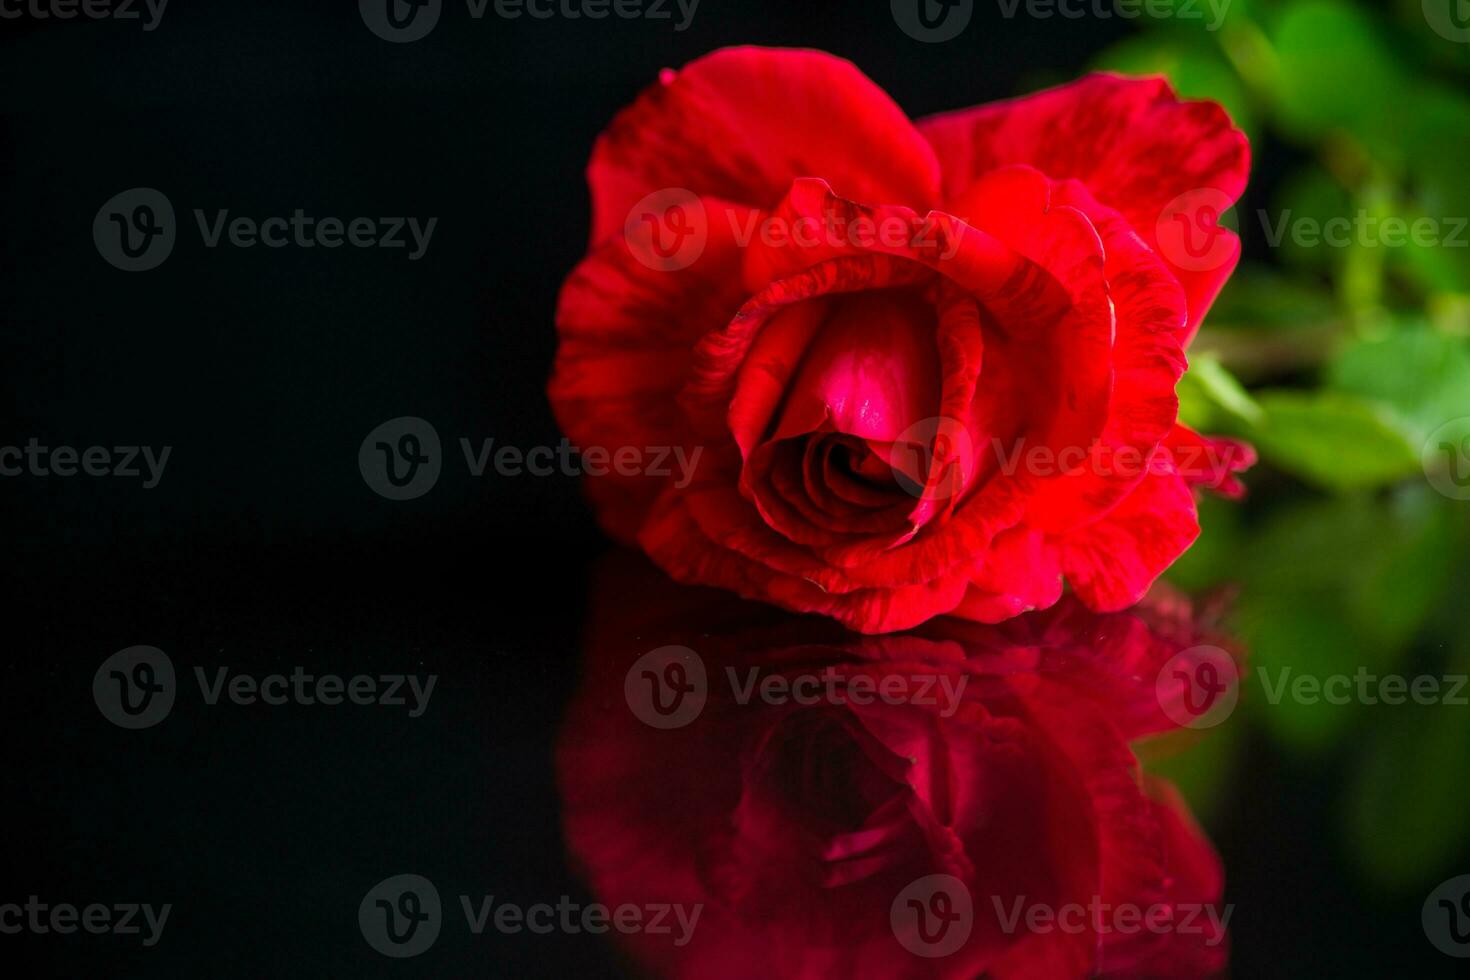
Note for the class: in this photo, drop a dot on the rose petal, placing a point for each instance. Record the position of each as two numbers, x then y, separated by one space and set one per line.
679 545
1112 562
743 123
627 332
1147 358
1132 142
1210 461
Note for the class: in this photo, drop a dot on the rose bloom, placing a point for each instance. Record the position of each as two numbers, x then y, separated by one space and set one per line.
921 368
803 826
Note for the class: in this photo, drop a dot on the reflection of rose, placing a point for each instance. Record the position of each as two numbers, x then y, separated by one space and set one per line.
798 826
862 323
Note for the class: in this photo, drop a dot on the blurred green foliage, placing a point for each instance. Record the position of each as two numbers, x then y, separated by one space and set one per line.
1338 361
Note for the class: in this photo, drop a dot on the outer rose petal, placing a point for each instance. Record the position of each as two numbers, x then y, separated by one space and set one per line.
674 540
1016 205
1210 462
1019 572
1147 358
627 333
1112 562
1131 141
743 123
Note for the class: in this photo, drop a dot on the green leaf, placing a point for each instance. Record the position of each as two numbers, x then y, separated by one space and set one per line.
1333 439
1208 380
1424 375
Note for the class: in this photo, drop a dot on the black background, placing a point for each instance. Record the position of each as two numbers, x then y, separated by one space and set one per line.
263 549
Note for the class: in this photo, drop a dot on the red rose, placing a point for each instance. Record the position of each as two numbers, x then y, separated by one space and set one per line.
907 369
822 790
